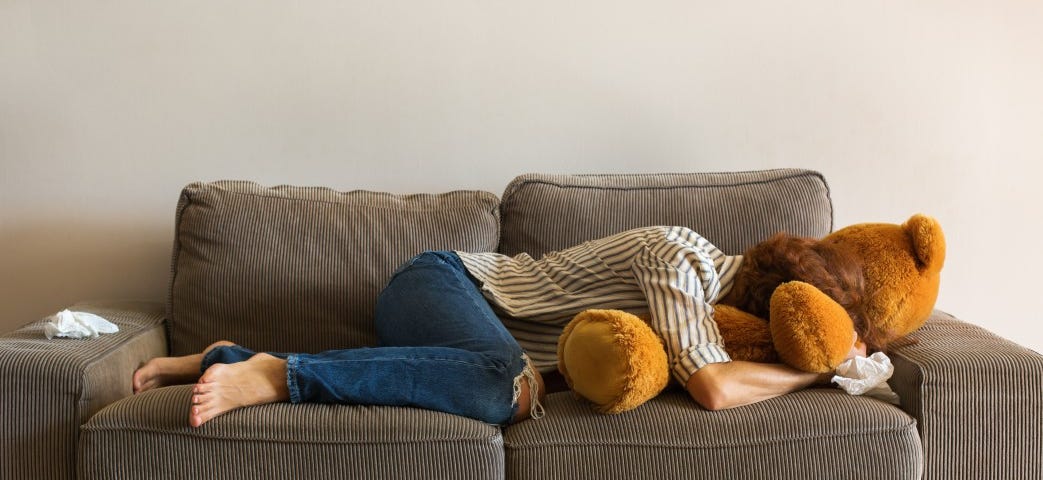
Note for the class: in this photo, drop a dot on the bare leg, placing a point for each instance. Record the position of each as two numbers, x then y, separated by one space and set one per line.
163 371
226 387
525 398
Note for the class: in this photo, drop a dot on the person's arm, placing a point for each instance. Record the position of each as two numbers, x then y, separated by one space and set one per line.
678 277
718 386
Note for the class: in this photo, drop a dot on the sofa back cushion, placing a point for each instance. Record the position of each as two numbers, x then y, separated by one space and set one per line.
298 269
542 213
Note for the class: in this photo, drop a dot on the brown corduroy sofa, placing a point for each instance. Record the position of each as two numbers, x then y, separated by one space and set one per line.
298 269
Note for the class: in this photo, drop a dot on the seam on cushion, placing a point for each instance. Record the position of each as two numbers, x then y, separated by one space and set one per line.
829 198
512 189
166 433
186 201
911 423
479 194
86 364
477 200
798 174
921 388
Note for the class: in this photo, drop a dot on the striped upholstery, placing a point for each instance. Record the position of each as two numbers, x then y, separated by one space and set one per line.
49 387
820 433
298 269
794 436
978 399
291 268
150 433
543 213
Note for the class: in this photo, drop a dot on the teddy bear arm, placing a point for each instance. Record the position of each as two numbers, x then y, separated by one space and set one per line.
810 330
613 359
746 336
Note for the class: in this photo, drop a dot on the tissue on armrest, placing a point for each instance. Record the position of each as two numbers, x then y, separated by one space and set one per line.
50 387
970 389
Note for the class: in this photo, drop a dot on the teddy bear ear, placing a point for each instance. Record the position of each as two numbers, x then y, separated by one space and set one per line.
928 240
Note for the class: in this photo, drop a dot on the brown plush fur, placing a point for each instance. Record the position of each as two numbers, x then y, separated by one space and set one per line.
885 278
902 266
810 331
613 359
879 280
834 270
746 336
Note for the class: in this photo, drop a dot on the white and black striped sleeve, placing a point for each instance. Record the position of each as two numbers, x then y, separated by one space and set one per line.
678 275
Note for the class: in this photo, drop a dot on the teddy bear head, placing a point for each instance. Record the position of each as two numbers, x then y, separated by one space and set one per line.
901 266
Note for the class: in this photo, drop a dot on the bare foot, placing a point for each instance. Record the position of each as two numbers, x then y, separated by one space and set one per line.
163 371
226 387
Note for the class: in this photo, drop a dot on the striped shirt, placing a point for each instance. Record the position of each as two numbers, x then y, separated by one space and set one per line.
671 274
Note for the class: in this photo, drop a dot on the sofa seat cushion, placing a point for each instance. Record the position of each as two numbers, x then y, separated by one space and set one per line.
816 433
148 436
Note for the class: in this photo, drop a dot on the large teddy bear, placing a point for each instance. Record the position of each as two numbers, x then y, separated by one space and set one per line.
616 361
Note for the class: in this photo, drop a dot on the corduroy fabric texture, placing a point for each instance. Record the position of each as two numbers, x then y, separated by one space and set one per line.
49 387
818 433
147 436
978 399
298 269
543 213
244 263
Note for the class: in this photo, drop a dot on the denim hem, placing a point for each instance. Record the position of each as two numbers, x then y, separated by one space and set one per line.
292 364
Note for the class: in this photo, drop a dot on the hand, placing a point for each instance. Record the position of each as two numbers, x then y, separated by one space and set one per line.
858 349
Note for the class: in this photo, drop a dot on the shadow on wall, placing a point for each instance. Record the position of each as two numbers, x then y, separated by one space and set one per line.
49 265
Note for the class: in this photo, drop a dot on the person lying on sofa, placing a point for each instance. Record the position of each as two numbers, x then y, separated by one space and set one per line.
442 346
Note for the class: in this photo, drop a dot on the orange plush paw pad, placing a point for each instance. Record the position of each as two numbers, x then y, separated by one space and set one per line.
613 359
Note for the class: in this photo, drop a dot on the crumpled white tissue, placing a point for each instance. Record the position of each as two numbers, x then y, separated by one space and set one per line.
77 325
867 376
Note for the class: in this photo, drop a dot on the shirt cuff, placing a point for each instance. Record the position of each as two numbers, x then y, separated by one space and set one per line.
694 358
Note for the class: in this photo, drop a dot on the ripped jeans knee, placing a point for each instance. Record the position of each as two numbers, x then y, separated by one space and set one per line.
529 382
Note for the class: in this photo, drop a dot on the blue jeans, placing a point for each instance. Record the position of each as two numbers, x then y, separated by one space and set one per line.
441 348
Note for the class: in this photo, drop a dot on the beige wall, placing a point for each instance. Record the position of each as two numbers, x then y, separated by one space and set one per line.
107 108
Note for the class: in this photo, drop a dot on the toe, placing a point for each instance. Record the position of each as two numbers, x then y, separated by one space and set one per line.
138 380
198 415
202 417
144 386
198 410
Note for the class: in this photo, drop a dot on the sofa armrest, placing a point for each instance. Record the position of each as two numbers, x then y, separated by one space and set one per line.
977 399
48 388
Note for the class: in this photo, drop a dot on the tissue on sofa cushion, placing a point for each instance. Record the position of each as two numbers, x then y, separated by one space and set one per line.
299 268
